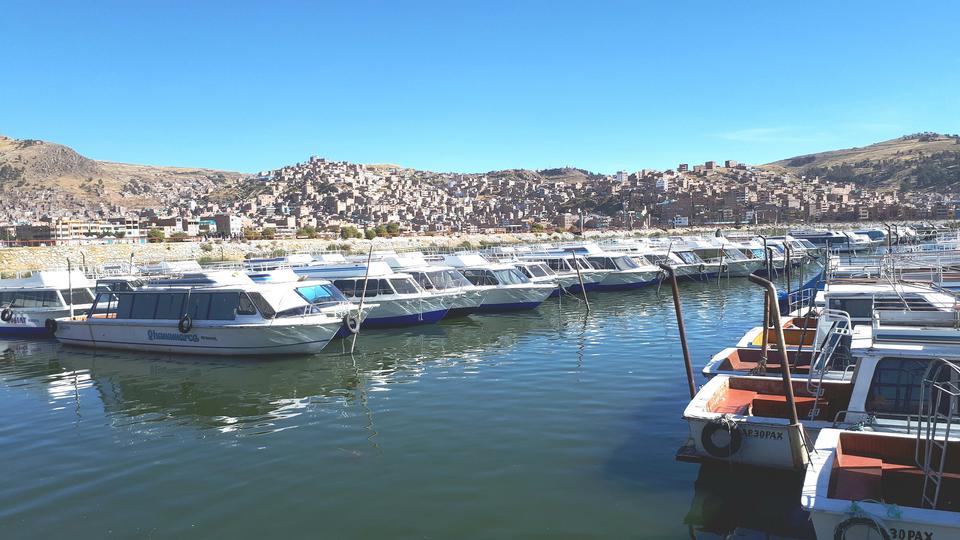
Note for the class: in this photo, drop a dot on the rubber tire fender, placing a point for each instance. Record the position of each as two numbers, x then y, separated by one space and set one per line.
6 315
840 533
50 325
706 438
352 323
185 324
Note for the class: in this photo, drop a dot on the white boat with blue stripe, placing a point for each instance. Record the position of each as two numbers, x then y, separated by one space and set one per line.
401 301
504 288
212 313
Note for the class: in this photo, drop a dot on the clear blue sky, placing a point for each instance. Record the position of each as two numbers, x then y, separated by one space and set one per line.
474 86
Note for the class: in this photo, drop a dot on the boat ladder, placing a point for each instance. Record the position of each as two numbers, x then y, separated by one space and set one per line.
833 327
939 393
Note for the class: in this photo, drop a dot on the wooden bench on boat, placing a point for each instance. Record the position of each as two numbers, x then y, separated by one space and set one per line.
868 467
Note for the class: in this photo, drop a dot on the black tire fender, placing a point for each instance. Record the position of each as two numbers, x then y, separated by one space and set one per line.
50 325
840 533
185 324
6 315
352 323
736 438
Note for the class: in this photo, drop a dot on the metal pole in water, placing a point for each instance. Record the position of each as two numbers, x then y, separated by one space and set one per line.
788 263
366 277
771 292
720 269
70 285
583 289
683 333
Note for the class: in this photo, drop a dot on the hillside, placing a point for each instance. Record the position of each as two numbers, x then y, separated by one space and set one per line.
919 162
41 175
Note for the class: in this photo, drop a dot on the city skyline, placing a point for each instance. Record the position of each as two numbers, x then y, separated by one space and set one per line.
466 88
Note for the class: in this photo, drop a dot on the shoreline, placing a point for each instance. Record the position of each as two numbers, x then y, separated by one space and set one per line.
24 259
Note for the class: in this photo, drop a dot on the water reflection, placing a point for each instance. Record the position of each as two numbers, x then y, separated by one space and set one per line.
579 411
733 501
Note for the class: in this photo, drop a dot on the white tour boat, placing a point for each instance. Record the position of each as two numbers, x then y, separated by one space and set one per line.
27 303
212 313
401 301
503 287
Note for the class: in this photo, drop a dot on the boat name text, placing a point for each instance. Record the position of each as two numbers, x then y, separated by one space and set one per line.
153 335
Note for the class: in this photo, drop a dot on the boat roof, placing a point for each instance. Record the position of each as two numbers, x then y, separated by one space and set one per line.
48 279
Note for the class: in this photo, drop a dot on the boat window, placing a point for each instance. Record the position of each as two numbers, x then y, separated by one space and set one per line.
246 306
80 296
403 286
198 305
346 286
895 388
526 271
858 308
584 265
372 288
144 306
30 299
266 310
124 305
170 306
223 306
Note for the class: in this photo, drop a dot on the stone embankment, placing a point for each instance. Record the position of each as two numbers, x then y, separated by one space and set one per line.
21 259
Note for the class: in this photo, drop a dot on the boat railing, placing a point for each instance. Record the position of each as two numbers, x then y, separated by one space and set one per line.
939 398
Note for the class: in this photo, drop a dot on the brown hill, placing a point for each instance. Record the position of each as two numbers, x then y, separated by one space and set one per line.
34 173
923 161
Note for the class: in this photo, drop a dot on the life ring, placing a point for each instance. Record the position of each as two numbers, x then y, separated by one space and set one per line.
840 533
185 324
50 325
6 315
715 450
352 323
701 268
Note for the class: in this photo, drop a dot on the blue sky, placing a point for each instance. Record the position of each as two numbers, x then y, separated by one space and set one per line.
474 86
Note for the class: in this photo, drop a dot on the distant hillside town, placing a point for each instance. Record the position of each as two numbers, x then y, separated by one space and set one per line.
320 197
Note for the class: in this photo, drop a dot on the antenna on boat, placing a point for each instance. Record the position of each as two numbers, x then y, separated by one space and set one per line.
683 333
366 277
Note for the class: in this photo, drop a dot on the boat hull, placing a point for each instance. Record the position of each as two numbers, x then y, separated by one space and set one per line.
32 323
514 298
280 337
626 280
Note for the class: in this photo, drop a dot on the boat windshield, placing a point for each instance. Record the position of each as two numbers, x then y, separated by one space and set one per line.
79 296
404 286
510 276
689 257
321 294
734 254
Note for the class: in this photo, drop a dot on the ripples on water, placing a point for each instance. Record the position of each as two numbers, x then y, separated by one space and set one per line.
550 423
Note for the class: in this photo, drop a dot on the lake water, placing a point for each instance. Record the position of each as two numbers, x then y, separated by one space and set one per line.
546 424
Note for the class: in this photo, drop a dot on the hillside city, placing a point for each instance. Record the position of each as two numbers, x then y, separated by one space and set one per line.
335 198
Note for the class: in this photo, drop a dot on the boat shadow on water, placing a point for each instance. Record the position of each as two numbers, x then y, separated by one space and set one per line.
742 502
